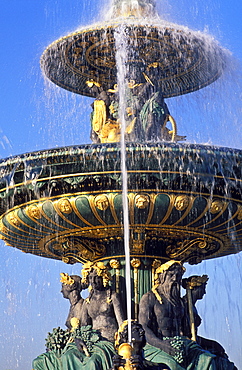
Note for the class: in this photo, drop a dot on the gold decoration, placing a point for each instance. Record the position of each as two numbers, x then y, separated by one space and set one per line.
65 259
132 84
33 211
165 266
64 205
12 219
114 90
3 228
181 202
120 330
100 269
137 245
148 79
157 295
91 82
66 279
125 350
101 202
195 281
191 314
155 264
216 206
239 214
110 132
75 323
115 264
99 116
135 263
142 201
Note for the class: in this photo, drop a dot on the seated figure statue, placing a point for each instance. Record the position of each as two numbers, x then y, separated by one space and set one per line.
102 312
88 344
161 315
132 355
195 290
71 289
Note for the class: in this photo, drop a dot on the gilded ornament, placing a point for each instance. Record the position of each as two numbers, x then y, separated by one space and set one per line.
156 263
216 206
12 219
85 253
65 259
33 211
135 263
3 229
75 323
114 264
239 214
64 206
101 202
66 279
194 281
202 244
165 266
157 295
100 269
142 201
181 202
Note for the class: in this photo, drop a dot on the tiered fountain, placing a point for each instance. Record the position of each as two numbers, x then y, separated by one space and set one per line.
184 200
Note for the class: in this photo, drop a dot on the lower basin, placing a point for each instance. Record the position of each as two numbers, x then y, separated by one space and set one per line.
66 203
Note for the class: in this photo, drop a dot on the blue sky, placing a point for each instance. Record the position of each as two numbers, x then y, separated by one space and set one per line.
35 116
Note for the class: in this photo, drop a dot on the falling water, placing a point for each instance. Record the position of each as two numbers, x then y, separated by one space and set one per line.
121 59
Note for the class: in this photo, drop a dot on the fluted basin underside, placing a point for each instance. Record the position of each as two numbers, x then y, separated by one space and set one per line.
184 202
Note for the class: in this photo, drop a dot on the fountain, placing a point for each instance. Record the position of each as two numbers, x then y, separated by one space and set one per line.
184 200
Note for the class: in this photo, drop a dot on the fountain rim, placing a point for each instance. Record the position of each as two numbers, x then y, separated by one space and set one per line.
110 147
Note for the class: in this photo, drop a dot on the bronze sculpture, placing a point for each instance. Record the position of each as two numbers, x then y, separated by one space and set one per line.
162 316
